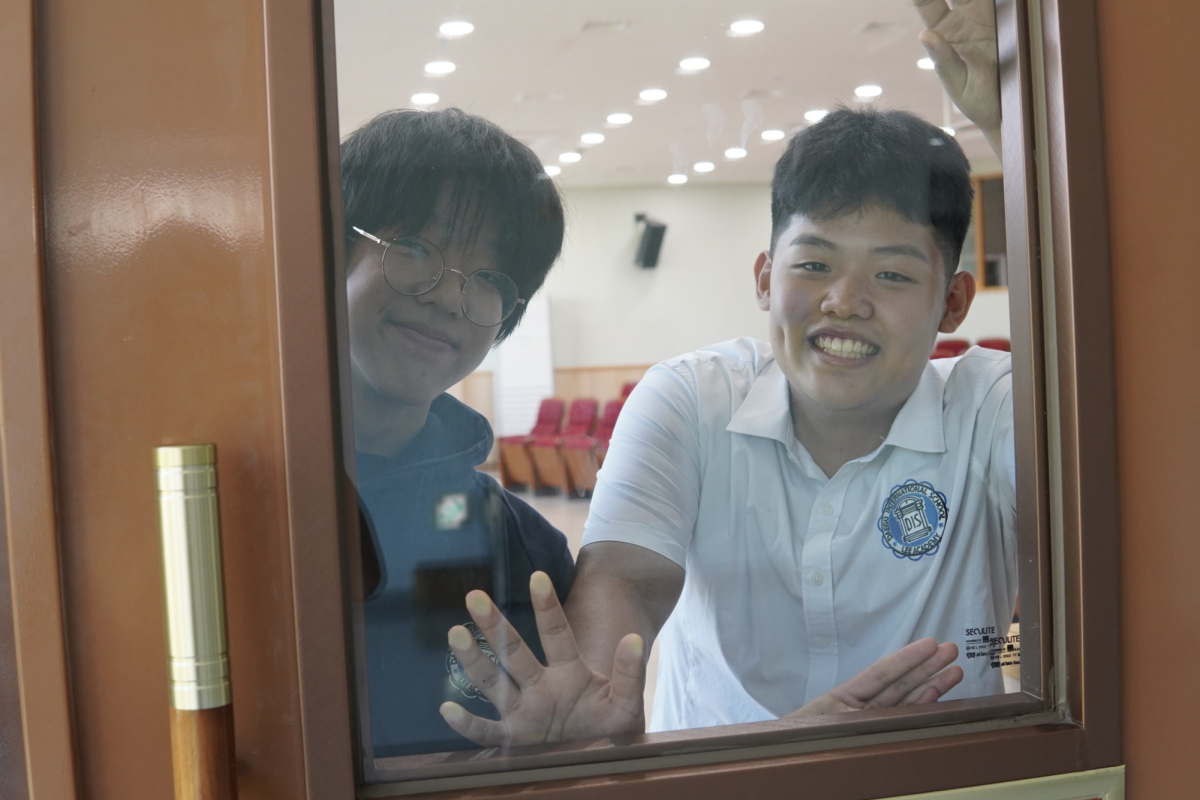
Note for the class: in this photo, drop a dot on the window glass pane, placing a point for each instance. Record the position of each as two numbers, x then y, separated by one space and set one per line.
757 436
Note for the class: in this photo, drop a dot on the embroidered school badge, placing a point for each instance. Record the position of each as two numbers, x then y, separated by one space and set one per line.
458 676
451 511
913 520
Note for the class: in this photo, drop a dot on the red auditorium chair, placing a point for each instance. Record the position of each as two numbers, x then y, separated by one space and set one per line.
551 472
516 466
995 344
943 352
585 454
627 388
956 346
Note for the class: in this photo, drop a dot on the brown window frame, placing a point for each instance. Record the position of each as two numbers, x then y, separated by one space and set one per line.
1074 429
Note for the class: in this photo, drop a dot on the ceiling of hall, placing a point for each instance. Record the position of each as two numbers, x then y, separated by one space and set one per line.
549 71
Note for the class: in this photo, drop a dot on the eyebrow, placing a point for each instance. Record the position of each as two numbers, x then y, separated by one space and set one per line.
901 250
887 250
814 241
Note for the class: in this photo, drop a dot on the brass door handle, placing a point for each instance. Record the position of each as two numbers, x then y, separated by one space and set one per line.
194 598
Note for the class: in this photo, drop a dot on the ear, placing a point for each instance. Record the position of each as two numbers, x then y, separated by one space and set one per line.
958 301
762 280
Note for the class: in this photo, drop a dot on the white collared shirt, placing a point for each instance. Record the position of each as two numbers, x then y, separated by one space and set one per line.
796 581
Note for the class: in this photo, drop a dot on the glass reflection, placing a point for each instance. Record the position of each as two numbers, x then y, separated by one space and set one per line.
809 518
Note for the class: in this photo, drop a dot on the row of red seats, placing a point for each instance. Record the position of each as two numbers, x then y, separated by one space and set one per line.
553 458
949 348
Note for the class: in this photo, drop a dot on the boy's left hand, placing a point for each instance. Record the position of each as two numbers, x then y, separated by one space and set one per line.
917 673
961 40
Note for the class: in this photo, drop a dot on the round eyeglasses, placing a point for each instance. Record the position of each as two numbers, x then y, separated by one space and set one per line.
413 267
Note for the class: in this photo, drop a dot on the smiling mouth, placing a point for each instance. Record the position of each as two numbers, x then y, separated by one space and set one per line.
844 348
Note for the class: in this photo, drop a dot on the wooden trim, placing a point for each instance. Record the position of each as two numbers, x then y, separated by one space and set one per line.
1079 361
303 255
30 522
1086 380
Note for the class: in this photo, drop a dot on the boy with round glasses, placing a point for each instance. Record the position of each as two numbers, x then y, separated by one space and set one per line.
450 225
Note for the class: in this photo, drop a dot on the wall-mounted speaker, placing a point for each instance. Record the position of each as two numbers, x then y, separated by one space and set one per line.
651 242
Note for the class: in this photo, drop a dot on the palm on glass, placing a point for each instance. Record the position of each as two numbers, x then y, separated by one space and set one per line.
961 40
565 699
561 701
917 673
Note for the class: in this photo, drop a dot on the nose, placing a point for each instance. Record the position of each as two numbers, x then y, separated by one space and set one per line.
848 296
447 295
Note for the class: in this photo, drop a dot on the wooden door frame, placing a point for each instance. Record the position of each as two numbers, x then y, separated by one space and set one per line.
37 673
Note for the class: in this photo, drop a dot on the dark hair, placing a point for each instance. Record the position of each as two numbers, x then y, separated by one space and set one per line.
853 159
395 167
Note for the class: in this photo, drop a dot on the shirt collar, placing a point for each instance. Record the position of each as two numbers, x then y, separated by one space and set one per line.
918 426
766 412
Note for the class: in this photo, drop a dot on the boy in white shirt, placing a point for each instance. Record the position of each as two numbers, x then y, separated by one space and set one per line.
804 508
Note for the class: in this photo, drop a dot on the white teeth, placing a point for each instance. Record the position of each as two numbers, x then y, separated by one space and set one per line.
846 348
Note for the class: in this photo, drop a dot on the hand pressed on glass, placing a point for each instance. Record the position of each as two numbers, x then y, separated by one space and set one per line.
561 701
917 673
566 699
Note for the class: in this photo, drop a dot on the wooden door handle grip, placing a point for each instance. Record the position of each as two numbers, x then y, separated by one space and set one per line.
202 748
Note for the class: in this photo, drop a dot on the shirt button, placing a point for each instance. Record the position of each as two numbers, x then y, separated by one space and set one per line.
817 578
827 510
821 642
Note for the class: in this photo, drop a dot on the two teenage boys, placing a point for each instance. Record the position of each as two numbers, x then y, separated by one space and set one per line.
799 509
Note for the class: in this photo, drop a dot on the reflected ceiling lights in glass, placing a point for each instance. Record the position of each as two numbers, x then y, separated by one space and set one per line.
620 118
868 90
424 99
694 64
455 28
592 138
735 152
772 135
745 27
440 67
652 95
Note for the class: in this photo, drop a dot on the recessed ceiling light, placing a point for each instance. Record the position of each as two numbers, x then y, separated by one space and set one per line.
569 157
704 166
456 28
950 131
620 119
925 63
424 99
773 135
746 27
652 95
677 179
869 90
694 64
816 115
440 67
592 138
735 152
553 170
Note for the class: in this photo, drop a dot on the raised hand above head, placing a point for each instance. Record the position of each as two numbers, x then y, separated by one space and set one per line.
961 40
916 673
563 700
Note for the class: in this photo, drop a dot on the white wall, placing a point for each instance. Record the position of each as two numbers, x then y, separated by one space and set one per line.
606 311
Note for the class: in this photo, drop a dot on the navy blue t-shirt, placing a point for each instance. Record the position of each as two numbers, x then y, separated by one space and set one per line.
434 529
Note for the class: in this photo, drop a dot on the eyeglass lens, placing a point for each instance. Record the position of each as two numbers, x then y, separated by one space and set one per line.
413 267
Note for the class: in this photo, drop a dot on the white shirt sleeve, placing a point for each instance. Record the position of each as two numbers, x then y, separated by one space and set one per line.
648 491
